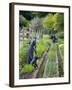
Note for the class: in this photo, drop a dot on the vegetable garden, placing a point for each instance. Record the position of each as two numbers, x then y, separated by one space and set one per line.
48 28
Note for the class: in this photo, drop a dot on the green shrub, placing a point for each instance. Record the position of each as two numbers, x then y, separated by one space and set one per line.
40 48
28 68
60 41
22 56
60 35
26 42
45 37
46 40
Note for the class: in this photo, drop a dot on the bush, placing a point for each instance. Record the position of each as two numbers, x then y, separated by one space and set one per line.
60 41
45 37
46 40
40 48
60 35
28 68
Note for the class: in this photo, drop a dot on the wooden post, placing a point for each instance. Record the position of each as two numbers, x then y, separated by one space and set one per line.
60 62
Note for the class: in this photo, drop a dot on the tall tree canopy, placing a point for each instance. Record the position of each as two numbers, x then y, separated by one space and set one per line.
48 21
58 21
54 22
29 15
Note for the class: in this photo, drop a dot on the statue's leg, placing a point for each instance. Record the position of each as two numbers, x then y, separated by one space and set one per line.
33 60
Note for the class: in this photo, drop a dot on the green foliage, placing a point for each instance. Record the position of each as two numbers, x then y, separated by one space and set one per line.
54 22
46 40
30 15
60 35
48 21
40 48
60 41
28 68
42 44
22 56
26 42
39 14
58 21
23 22
52 55
46 37
21 44
36 23
22 53
62 49
50 68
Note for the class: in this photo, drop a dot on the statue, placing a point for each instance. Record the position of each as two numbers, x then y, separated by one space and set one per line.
53 37
30 58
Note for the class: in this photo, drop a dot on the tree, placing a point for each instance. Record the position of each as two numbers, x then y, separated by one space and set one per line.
26 14
23 22
58 21
54 22
36 25
48 22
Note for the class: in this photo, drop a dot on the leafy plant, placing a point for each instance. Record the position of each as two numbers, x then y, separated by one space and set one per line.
22 57
54 22
23 22
40 47
50 68
60 41
52 52
48 21
60 35
28 68
58 21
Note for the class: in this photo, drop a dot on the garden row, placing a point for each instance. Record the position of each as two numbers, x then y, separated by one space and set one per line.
54 65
